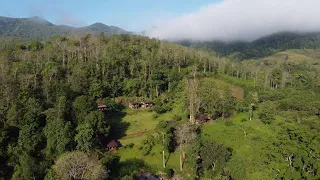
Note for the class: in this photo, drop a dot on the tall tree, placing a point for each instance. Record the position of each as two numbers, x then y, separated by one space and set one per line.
185 135
193 86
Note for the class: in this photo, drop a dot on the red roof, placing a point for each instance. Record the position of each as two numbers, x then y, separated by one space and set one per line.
112 143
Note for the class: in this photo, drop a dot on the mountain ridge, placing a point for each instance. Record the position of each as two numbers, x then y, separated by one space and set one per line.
41 29
261 47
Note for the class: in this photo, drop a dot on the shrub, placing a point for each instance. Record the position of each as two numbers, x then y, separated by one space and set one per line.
244 119
169 172
155 116
177 117
129 146
147 145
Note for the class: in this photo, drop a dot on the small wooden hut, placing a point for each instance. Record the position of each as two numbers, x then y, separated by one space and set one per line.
112 146
147 104
101 105
202 119
135 105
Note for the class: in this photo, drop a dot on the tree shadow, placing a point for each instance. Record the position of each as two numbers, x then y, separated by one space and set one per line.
118 128
130 167
168 159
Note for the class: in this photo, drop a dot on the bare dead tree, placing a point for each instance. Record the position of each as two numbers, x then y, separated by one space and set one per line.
185 135
193 87
78 165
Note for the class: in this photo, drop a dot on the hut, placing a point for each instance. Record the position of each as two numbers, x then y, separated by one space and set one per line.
112 145
147 104
202 119
135 105
101 105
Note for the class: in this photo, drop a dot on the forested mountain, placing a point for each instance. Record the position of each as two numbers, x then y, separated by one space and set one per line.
40 29
212 118
264 46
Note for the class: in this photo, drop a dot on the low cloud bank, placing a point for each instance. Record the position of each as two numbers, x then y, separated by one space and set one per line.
245 20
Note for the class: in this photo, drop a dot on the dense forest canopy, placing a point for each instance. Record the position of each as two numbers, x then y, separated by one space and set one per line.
49 116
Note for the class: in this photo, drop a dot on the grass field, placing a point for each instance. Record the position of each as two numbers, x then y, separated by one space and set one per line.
133 126
296 56
247 140
154 159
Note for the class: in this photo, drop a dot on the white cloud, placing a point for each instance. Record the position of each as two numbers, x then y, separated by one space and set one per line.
248 20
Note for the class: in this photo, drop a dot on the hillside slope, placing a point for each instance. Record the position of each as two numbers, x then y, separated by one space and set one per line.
262 47
41 29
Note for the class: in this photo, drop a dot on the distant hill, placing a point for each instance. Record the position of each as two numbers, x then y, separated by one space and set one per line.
41 29
261 47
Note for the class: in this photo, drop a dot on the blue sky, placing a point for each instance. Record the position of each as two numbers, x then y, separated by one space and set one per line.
134 15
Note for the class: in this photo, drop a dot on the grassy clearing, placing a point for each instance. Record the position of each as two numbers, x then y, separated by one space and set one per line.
130 124
295 56
133 126
154 159
140 121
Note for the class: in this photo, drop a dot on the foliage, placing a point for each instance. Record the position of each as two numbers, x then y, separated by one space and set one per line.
216 98
216 157
49 92
163 104
146 145
166 135
266 112
131 167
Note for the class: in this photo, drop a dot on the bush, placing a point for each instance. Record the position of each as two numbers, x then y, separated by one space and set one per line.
177 117
147 145
129 146
155 116
244 119
240 108
169 172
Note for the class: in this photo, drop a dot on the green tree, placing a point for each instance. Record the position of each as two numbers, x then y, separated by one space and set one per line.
82 105
266 112
215 157
85 137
